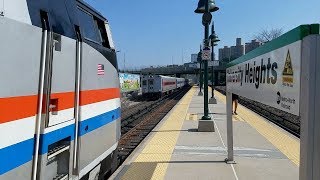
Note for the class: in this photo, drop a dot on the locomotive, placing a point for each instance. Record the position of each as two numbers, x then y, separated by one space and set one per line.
59 94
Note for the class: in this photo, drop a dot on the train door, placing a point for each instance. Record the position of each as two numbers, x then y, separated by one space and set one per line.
61 80
144 84
151 85
58 125
58 133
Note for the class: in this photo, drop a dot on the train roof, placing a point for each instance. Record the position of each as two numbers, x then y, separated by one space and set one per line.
162 76
166 76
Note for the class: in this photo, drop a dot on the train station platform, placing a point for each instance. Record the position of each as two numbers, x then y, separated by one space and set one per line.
176 150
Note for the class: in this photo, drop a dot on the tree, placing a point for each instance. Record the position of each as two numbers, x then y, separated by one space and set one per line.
268 35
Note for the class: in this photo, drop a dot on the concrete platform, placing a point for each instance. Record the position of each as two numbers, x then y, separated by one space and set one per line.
176 150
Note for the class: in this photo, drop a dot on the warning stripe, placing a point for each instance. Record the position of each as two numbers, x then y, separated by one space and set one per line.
14 108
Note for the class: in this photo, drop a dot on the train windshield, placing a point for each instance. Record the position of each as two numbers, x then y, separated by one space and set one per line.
89 26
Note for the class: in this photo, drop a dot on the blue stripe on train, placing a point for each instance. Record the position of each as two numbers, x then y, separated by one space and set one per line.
55 136
15 155
86 126
98 121
21 153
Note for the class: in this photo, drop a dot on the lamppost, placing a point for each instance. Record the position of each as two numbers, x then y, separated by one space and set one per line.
214 39
199 59
205 7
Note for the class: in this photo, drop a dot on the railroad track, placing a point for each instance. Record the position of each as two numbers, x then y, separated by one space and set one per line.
142 103
129 112
287 121
138 126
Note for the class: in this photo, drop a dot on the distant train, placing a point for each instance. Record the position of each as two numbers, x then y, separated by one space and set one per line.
158 85
59 94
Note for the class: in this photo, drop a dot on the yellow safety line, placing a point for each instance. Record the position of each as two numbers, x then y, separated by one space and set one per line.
154 159
188 116
288 145
237 118
192 117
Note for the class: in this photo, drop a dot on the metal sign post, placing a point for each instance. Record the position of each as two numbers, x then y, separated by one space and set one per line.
206 56
309 109
229 127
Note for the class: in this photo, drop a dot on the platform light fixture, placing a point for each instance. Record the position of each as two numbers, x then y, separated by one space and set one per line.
205 7
201 6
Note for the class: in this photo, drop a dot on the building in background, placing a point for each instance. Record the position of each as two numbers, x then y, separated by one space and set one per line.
194 58
230 53
227 54
252 45
237 50
224 53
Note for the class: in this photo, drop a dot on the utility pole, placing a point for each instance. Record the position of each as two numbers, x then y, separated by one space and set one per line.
182 56
124 62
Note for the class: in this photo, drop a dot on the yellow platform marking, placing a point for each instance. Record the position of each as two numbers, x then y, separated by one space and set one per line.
192 117
237 118
153 161
288 145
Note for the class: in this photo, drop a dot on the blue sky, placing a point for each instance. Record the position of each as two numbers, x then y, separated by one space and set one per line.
159 32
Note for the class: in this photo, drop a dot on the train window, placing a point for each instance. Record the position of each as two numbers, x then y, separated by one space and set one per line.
110 41
88 26
102 32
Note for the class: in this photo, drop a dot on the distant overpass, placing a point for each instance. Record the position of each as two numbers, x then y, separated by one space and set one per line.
172 70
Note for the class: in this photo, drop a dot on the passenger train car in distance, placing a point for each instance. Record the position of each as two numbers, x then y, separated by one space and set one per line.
181 82
158 85
59 94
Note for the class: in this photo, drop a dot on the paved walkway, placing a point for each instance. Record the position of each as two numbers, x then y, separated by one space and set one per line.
175 150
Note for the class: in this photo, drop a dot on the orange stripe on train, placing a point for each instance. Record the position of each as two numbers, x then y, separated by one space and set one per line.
93 96
14 108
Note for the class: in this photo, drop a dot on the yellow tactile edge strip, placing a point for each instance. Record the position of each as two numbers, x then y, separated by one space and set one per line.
192 117
288 145
154 159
